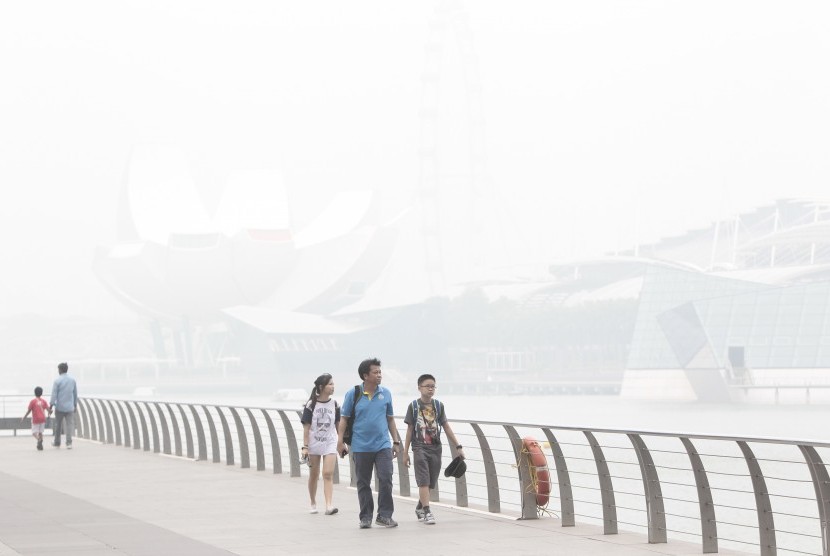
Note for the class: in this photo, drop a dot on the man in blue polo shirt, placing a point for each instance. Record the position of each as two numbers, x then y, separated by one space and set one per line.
373 423
65 401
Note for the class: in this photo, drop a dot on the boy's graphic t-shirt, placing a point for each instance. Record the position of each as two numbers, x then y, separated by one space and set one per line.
39 407
427 427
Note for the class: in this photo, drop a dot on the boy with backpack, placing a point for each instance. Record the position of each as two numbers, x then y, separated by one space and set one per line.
426 419
39 408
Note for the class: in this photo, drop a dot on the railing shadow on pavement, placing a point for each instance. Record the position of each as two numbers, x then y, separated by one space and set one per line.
759 494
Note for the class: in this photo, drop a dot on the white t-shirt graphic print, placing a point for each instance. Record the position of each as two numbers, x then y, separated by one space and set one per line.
322 438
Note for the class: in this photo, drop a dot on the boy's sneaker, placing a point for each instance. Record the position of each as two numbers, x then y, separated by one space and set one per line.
419 512
365 523
386 522
429 519
40 444
69 446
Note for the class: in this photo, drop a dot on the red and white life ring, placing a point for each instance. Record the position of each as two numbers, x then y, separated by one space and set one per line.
539 472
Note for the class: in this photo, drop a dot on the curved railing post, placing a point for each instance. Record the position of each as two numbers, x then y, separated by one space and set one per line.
188 436
76 421
127 442
174 424
335 478
116 425
229 459
404 487
293 451
566 497
403 475
145 429
490 474
655 511
525 478
242 438
275 443
84 411
260 451
606 487
200 433
93 424
461 498
821 484
137 442
107 420
214 437
708 523
155 430
766 523
101 436
165 432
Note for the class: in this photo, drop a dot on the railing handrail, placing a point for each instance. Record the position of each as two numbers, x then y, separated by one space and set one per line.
574 428
668 434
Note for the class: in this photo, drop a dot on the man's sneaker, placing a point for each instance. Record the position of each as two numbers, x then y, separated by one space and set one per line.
365 523
69 446
386 522
429 519
40 444
419 512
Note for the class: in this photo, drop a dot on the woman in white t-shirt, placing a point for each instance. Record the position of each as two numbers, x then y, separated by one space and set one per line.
320 417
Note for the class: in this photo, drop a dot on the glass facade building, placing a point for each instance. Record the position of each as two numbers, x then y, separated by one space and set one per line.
743 324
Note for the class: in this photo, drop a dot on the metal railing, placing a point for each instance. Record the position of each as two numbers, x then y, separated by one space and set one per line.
765 495
14 405
12 408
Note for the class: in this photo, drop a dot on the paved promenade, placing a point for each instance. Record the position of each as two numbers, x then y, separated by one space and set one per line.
98 499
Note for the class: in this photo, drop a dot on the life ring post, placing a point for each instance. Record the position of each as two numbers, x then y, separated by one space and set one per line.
529 508
537 464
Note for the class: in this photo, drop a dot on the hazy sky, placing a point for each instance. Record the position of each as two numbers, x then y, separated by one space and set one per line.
605 122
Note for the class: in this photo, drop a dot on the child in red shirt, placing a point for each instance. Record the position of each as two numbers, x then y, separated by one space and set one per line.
39 408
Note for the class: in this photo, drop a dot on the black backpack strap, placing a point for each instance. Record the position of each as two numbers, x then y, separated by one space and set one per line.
416 410
357 395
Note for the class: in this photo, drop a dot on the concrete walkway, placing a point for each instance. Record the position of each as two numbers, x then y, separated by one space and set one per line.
98 499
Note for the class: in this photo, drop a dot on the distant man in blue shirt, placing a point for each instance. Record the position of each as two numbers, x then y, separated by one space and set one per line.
65 401
373 423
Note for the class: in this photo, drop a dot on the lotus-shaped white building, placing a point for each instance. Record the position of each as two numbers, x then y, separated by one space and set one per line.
247 263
